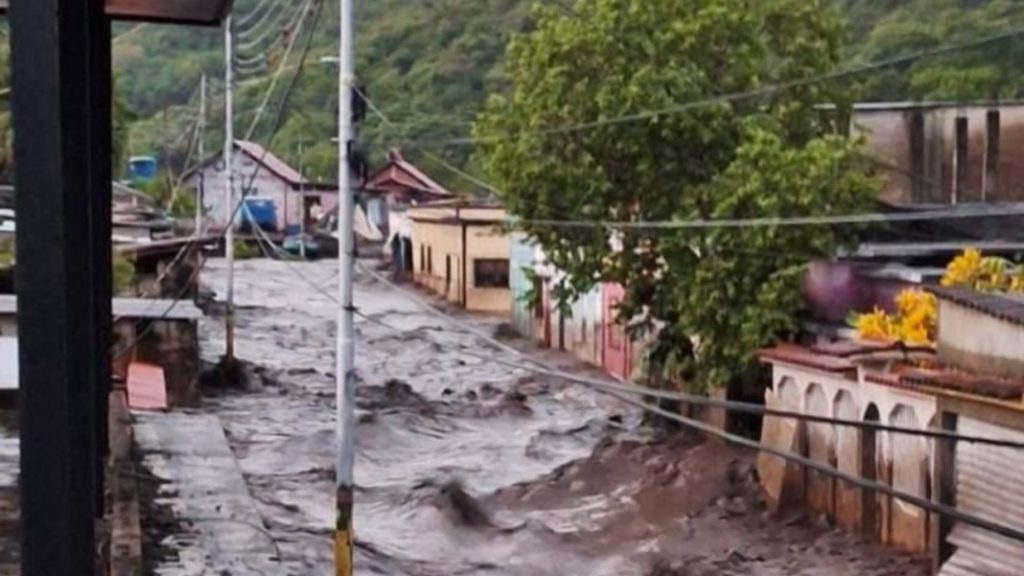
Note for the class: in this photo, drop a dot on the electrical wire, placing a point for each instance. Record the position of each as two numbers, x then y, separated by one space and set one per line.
763 91
626 396
275 127
255 45
837 219
242 21
284 59
274 13
807 463
682 397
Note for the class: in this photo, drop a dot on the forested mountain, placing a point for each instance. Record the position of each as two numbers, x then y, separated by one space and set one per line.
430 63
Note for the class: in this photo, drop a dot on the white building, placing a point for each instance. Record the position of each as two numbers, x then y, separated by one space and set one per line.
295 198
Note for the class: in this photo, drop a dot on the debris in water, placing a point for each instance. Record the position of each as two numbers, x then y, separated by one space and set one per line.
464 509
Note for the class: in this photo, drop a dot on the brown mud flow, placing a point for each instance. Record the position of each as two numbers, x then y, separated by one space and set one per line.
469 467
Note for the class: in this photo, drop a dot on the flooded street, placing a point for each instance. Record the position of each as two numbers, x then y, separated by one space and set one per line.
470 467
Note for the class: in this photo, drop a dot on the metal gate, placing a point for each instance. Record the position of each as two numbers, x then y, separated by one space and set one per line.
989 484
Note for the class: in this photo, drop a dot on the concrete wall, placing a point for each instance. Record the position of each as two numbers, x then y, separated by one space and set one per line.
438 262
900 460
979 342
888 133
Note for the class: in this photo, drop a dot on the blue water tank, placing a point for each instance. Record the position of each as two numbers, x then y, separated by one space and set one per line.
261 212
141 169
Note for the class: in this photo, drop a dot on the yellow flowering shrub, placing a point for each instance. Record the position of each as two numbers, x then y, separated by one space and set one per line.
984 273
875 325
916 319
914 323
964 269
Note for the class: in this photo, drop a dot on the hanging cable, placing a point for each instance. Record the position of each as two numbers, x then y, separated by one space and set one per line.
244 20
284 59
255 45
627 396
763 91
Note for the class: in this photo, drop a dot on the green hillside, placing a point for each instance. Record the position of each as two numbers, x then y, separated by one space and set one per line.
430 63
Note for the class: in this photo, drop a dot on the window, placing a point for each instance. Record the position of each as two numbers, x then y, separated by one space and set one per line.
490 273
430 260
423 258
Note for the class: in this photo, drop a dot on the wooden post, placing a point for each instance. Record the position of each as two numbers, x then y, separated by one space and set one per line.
960 161
990 188
944 491
919 190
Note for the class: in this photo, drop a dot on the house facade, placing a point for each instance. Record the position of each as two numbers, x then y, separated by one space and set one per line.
396 186
461 251
297 201
537 314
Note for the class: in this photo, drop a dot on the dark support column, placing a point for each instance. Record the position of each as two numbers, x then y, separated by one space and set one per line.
990 190
100 87
918 174
944 490
52 108
960 161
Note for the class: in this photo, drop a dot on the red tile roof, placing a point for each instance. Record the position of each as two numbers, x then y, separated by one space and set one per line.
403 172
792 354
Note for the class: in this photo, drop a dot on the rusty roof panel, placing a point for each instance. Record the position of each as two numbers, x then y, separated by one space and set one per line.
969 383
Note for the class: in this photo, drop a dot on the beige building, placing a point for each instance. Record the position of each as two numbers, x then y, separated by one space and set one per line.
461 251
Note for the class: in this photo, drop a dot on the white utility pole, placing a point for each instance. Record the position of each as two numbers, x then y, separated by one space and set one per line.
202 155
229 190
345 369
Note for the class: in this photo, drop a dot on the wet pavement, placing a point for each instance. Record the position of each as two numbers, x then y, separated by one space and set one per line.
470 467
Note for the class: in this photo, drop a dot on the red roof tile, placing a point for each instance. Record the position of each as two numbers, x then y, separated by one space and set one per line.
793 354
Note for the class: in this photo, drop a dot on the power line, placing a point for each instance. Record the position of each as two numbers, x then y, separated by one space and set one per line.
740 96
284 59
806 462
676 396
255 11
275 127
253 45
266 21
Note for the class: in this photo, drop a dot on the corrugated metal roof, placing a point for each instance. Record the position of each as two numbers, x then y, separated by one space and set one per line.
989 486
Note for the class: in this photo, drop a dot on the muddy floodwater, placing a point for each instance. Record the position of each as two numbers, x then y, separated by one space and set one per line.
469 467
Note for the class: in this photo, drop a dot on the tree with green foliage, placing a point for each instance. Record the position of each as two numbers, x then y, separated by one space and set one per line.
711 296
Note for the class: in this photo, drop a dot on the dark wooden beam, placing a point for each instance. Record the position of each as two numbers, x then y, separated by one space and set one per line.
100 266
55 125
194 12
961 161
990 189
